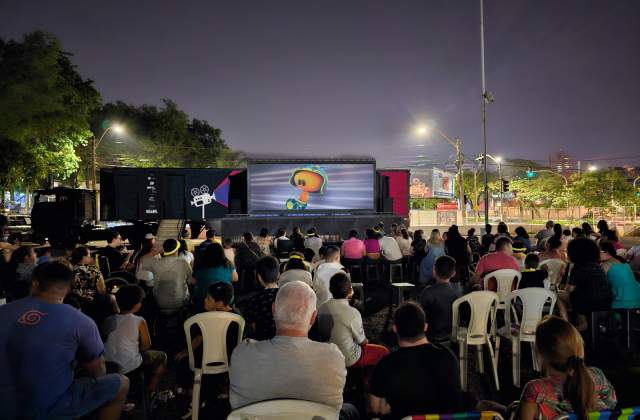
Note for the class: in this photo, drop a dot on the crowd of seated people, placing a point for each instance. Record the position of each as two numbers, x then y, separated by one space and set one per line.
305 334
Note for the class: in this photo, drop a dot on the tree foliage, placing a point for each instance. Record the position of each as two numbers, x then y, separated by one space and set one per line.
45 107
161 137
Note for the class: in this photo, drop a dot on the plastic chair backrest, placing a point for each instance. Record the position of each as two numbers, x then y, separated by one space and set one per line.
284 409
555 266
506 281
283 248
480 415
483 305
533 301
213 326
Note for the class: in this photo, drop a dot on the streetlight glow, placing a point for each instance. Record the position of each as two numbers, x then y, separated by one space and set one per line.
498 159
422 130
117 128
593 168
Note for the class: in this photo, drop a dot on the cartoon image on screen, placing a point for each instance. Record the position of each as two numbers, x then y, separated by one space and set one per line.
309 180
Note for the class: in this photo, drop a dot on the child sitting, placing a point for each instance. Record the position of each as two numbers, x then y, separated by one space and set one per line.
127 340
519 250
531 275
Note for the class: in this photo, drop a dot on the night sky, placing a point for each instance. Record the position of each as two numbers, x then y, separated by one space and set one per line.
345 77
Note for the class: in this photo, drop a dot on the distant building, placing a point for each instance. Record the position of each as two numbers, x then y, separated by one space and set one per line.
562 163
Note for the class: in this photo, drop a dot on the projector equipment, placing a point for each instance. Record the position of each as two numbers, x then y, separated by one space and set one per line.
201 197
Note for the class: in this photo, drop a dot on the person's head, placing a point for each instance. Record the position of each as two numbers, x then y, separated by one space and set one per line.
557 230
210 234
321 252
504 245
553 244
566 232
69 245
549 224
294 310
609 251
81 256
353 233
170 247
602 226
332 253
129 298
312 231
488 228
297 231
219 297
560 347
227 243
435 236
531 261
183 246
371 234
503 228
24 254
454 232
268 270
445 236
52 278
418 235
296 262
309 255
394 227
444 268
247 237
281 232
340 286
380 225
471 233
149 238
583 251
522 232
576 232
587 229
114 238
214 256
409 323
404 233
147 245
264 232
518 247
43 251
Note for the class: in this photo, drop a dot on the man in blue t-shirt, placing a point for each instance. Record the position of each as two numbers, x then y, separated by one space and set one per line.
41 342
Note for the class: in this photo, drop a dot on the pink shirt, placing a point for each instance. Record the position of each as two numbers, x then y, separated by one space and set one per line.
496 261
353 248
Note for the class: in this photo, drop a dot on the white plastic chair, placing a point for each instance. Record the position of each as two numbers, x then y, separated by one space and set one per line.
535 302
214 326
506 281
285 410
555 268
483 310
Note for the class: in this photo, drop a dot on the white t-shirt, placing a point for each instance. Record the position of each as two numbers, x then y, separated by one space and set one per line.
404 244
313 242
341 324
295 275
122 344
324 272
390 249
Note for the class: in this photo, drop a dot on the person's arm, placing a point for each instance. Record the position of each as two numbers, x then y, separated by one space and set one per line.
378 406
527 411
101 288
195 343
96 367
145 337
234 276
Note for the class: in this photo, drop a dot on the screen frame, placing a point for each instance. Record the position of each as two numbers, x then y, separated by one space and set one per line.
312 212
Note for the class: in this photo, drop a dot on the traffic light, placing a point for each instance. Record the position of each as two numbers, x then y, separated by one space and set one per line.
530 173
505 186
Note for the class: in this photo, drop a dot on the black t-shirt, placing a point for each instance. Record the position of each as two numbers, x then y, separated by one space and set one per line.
487 240
418 380
115 257
259 311
436 301
532 279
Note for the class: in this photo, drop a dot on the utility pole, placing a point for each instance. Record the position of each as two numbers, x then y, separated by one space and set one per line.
459 162
485 98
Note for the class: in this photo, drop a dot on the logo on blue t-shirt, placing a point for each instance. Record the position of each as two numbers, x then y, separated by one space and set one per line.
31 317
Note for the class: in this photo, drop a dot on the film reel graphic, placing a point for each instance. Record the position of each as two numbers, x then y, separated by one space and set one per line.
201 197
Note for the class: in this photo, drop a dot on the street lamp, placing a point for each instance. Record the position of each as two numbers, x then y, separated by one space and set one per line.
118 129
457 144
592 168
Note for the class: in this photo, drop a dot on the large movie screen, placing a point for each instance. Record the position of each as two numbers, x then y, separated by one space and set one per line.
310 186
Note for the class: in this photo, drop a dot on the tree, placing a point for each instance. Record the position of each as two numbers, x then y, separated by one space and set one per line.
162 137
543 190
45 107
605 188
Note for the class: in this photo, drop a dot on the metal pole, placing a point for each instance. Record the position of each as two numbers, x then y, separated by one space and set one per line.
459 162
484 116
475 193
501 191
93 163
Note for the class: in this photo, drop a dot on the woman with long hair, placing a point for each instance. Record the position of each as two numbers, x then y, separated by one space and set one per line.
523 236
404 242
433 250
184 253
570 386
264 241
458 248
213 267
372 245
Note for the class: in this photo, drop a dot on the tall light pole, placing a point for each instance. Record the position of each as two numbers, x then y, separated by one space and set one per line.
117 128
457 144
498 161
486 97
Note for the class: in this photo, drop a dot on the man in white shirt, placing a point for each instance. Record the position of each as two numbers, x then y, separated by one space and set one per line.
324 273
341 324
171 278
313 241
290 365
390 249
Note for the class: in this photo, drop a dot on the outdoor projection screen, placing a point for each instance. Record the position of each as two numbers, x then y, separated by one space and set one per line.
310 187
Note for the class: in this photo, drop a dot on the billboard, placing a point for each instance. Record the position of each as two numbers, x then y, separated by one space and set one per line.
310 186
432 183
